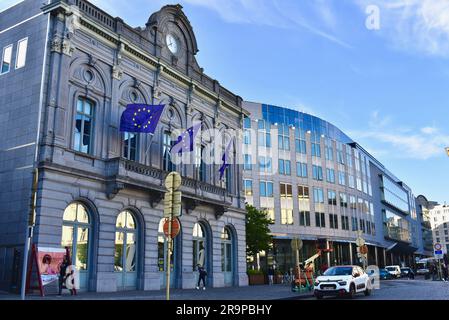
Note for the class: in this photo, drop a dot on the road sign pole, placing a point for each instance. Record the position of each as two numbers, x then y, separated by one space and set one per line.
169 250
171 209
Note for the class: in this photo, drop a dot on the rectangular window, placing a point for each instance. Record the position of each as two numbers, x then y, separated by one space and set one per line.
286 193
6 59
304 205
21 53
301 169
130 146
248 162
284 137
316 150
333 221
320 220
286 216
344 223
84 126
332 198
355 226
247 136
265 164
248 187
341 178
330 175
317 172
343 200
281 166
266 189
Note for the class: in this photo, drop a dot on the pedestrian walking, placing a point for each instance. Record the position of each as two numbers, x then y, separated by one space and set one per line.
411 274
62 273
202 277
270 275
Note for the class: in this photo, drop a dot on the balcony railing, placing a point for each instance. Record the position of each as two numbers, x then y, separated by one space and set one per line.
122 172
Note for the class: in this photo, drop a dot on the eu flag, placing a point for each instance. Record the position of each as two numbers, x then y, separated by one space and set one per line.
225 162
141 118
186 140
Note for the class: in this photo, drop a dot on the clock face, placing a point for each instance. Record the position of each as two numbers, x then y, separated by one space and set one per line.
172 43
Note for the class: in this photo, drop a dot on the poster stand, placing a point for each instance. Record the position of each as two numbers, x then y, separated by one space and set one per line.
34 275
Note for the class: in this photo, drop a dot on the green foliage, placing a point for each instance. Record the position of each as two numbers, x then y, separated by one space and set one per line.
254 272
258 236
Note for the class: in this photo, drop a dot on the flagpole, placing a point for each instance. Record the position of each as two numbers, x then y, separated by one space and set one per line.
149 146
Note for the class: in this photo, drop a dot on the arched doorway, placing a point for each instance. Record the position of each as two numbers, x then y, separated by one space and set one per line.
76 234
201 251
162 257
125 256
227 256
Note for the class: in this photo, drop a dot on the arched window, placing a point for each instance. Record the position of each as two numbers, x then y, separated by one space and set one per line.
199 244
76 228
125 243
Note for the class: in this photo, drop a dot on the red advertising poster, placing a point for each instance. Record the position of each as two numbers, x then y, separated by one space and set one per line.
49 261
45 266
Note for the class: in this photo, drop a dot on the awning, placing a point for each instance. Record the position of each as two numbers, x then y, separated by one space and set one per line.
402 248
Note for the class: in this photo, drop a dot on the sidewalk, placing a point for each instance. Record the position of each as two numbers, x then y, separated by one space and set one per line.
264 292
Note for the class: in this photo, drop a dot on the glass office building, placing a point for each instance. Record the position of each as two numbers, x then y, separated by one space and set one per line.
315 182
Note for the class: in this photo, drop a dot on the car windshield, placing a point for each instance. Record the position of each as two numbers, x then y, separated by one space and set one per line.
338 271
391 268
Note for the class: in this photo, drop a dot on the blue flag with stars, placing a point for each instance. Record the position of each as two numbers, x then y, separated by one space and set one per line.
186 140
225 162
141 118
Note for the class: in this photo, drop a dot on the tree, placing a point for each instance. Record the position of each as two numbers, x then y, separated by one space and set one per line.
258 236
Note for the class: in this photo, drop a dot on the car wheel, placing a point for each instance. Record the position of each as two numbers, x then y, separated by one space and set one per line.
318 296
351 293
367 292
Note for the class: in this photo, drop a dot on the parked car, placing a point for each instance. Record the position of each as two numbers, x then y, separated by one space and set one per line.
405 272
384 274
343 281
395 271
422 271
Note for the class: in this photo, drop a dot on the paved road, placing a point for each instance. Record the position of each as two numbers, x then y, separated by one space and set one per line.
408 290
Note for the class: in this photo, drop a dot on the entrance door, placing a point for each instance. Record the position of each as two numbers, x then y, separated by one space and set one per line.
227 257
125 258
75 236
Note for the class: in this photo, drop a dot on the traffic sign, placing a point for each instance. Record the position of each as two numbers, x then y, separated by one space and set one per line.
172 204
175 227
438 246
173 181
297 244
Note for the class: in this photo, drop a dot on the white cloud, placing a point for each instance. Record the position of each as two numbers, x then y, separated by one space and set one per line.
406 143
419 25
274 13
429 130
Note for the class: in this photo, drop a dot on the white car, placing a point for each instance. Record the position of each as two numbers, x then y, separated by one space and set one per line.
395 271
342 281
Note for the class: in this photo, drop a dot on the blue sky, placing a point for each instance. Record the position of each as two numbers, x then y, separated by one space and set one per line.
388 89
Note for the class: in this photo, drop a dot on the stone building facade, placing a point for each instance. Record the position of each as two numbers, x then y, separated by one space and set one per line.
100 190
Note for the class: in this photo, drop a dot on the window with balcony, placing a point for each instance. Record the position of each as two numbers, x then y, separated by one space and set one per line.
130 146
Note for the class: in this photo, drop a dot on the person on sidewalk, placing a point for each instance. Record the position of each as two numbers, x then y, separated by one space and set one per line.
62 273
202 277
270 276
